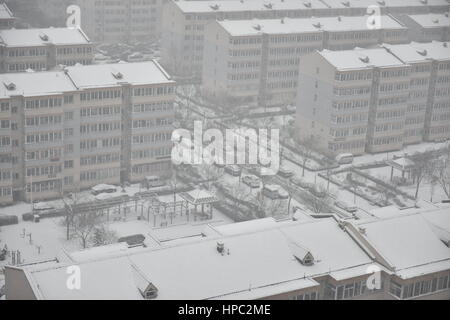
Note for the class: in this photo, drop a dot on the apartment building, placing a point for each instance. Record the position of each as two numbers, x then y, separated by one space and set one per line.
406 254
6 17
367 100
257 60
183 22
428 113
121 20
353 101
68 130
428 27
43 49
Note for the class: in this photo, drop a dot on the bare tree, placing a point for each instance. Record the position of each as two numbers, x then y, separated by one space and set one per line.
442 172
70 205
306 146
422 169
211 174
84 224
239 194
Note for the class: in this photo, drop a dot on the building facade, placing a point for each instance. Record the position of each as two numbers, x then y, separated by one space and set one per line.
121 20
374 100
43 49
257 60
184 22
94 124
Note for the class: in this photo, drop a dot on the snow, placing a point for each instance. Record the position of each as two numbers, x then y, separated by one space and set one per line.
304 25
353 59
431 20
35 84
257 5
100 280
5 13
409 53
136 73
406 241
32 37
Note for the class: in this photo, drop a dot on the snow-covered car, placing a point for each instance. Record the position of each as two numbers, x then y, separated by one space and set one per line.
252 181
283 194
103 188
285 172
345 206
233 169
317 192
271 191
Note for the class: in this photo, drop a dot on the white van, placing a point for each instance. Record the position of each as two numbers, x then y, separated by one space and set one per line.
344 158
153 181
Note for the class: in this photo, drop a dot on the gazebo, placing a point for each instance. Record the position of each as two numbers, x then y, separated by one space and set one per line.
404 165
202 198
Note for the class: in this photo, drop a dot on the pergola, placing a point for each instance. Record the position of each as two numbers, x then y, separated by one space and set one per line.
404 165
202 198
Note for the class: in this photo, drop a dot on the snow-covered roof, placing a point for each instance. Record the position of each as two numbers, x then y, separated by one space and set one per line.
304 5
415 52
197 270
246 226
109 75
432 20
246 5
5 13
303 25
384 3
359 58
34 84
408 242
111 279
43 37
199 196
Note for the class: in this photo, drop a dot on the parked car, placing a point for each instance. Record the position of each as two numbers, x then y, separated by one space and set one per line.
271 191
344 158
252 181
345 206
285 172
283 194
317 192
103 188
234 170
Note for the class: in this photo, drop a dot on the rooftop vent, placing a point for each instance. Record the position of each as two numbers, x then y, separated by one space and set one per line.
422 52
10 85
364 59
435 20
317 25
257 27
43 36
307 4
117 75
220 247
151 292
215 7
268 5
282 20
362 230
346 4
445 44
303 255
381 3
339 18
424 1
446 14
